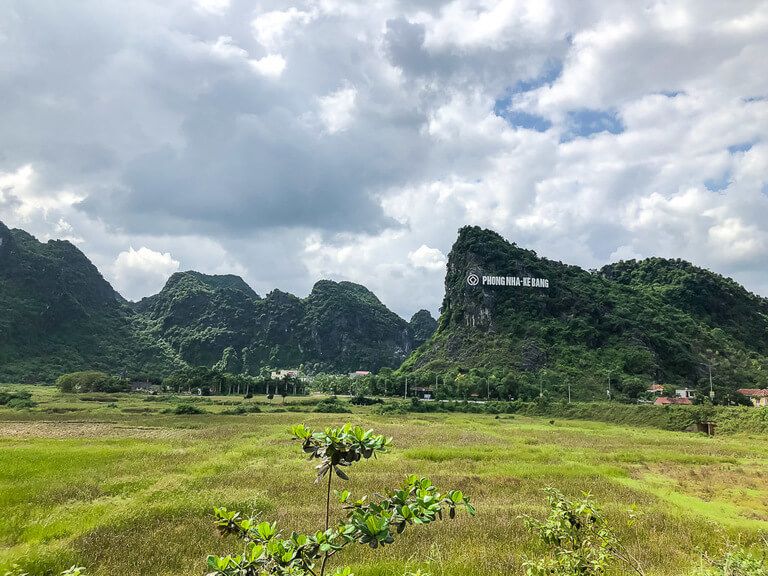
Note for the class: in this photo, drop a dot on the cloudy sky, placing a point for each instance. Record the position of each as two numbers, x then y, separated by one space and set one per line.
292 141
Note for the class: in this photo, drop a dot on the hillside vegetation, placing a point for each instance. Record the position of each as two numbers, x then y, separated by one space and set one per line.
629 324
58 314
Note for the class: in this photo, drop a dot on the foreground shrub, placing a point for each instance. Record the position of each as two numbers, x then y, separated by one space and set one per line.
373 522
580 541
737 561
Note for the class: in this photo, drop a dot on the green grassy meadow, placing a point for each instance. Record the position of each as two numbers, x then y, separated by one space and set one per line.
112 483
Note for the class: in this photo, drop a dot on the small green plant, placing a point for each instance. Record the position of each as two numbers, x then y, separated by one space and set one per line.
374 522
580 540
736 561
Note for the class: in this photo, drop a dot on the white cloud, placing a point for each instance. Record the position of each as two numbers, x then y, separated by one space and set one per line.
271 28
271 65
143 271
337 109
22 195
225 48
217 7
426 257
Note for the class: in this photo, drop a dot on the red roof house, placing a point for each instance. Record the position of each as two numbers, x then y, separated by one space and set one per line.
758 396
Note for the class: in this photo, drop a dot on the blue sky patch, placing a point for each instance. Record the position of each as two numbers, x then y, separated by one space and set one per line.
586 121
518 119
718 184
741 147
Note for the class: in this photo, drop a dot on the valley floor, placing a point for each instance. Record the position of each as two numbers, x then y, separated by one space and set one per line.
120 487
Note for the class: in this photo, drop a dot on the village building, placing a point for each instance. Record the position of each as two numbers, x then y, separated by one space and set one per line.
423 392
685 393
657 389
143 386
359 373
283 374
758 396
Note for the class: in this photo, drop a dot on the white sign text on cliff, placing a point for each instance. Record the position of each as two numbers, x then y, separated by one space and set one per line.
521 281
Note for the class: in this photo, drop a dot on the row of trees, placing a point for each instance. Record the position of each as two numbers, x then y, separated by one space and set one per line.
207 381
478 384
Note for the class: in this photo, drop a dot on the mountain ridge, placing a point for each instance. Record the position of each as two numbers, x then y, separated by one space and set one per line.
59 314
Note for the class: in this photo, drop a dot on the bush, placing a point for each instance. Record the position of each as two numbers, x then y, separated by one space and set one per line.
580 541
331 405
737 561
91 381
365 401
7 397
392 408
21 403
184 409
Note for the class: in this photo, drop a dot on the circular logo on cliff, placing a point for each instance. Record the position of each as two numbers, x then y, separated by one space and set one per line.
473 279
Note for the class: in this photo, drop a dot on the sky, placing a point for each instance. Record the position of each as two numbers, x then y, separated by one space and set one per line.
292 141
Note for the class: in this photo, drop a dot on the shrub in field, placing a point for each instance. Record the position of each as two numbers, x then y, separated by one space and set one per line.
21 403
580 541
183 409
331 405
737 561
374 522
18 400
91 381
365 401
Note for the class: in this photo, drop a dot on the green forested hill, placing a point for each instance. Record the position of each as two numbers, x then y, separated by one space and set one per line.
632 323
338 327
58 314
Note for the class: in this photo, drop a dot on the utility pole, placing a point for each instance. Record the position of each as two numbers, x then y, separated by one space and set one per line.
609 386
569 391
406 388
487 389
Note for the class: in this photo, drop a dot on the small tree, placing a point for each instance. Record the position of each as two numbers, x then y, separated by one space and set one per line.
580 540
373 522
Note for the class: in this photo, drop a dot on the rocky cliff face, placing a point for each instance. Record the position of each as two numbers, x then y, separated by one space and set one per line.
422 326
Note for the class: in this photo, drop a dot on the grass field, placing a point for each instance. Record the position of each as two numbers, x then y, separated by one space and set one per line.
112 483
